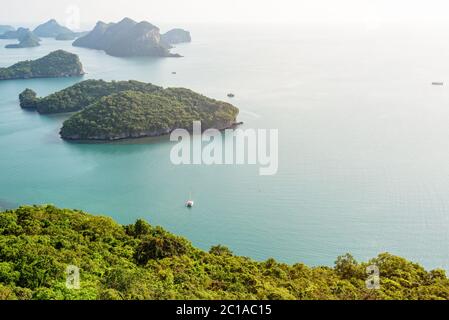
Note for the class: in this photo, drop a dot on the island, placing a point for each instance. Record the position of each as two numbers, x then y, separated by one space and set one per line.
176 36
126 38
27 99
140 261
80 95
59 63
134 114
51 29
129 109
66 37
5 28
28 40
15 34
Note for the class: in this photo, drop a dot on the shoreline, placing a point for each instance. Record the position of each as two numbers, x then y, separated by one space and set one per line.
105 141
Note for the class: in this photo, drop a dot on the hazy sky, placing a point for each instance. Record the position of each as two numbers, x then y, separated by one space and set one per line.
236 11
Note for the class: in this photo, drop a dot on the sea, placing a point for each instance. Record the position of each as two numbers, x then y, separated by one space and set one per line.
363 143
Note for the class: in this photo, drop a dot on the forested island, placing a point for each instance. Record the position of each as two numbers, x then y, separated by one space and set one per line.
127 38
129 109
56 64
141 261
133 114
80 95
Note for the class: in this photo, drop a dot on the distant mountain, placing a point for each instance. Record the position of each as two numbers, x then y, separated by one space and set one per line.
65 36
176 36
27 40
15 34
125 39
51 29
54 65
6 28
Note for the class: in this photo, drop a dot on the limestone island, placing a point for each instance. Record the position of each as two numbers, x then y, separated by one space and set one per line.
27 40
5 28
52 29
15 34
126 38
54 65
176 36
129 109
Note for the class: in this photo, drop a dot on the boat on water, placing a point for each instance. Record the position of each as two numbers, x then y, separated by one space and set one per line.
438 83
190 204
231 95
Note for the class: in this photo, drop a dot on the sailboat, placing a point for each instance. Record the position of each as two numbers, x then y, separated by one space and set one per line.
190 203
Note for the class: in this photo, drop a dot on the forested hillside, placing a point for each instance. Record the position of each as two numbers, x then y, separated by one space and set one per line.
141 261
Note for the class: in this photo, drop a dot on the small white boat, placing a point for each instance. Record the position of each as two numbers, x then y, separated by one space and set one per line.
190 204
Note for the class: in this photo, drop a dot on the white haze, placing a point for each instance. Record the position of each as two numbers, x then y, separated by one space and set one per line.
374 12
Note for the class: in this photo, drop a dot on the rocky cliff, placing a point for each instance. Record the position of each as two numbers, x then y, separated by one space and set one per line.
125 39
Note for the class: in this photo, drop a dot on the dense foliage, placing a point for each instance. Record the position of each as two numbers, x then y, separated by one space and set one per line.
28 99
82 94
133 114
56 64
140 261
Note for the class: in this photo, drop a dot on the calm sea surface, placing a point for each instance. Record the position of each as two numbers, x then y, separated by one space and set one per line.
363 155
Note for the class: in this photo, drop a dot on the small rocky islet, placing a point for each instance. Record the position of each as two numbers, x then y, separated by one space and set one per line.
52 29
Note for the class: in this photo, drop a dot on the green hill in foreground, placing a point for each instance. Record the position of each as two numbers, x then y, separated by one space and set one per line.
140 261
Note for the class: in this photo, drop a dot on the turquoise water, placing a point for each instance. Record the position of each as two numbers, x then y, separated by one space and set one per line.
363 160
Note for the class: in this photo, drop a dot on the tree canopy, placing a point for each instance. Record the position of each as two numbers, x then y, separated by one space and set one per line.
133 114
141 261
59 63
82 94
